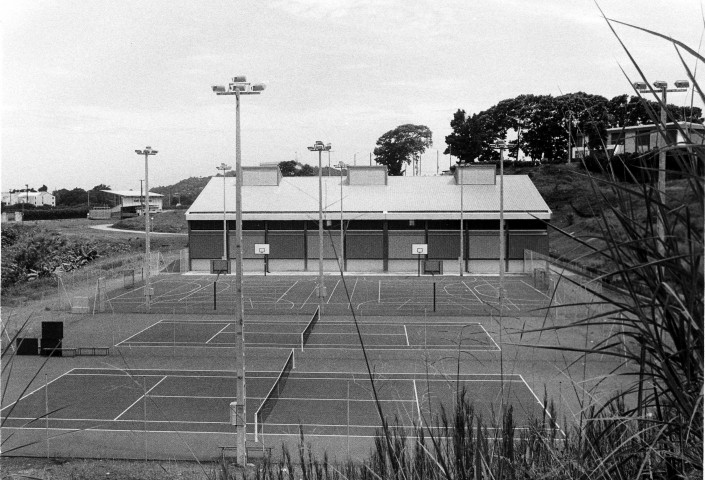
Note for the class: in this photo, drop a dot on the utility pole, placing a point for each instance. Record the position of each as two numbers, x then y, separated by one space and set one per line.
661 144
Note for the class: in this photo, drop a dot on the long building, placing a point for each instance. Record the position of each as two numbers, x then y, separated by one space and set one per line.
382 217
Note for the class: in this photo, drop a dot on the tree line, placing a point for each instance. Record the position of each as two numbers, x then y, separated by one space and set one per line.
543 125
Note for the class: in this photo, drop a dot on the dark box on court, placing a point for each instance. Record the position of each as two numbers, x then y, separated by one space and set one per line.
51 347
220 266
52 330
27 346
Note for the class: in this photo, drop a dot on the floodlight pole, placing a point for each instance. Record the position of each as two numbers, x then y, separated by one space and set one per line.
320 147
147 280
224 168
237 87
502 248
341 165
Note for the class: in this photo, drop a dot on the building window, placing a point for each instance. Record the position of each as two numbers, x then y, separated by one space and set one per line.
643 142
617 138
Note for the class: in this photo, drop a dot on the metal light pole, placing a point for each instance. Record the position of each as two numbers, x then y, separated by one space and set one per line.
239 86
320 148
461 259
570 136
341 165
502 248
147 283
662 140
224 168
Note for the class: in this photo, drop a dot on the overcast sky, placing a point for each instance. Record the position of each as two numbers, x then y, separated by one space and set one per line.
85 83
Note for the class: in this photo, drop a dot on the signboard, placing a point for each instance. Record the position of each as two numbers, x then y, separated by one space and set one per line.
419 249
261 248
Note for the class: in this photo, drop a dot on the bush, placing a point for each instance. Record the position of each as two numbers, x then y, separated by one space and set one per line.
594 162
55 213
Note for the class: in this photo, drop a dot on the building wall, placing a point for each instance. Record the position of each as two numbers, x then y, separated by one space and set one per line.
369 250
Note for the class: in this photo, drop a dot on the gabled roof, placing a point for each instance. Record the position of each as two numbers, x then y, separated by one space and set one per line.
434 197
131 193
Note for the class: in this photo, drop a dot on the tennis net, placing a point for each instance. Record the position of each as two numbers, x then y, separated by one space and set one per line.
307 331
274 393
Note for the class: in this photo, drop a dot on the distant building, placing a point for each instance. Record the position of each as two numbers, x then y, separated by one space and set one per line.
37 199
642 138
383 216
129 201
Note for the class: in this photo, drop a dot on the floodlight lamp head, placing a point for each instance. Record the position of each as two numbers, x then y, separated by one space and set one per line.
641 85
258 87
236 87
660 84
218 88
239 79
682 83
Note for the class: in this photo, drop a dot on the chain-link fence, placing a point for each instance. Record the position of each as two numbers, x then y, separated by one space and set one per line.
572 291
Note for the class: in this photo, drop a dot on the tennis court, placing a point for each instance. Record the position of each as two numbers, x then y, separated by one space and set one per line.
327 334
470 295
104 401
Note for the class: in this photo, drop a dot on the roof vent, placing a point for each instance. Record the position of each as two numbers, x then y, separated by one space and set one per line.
261 176
476 174
363 175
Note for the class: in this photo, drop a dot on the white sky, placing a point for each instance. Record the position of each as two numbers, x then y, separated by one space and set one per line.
85 83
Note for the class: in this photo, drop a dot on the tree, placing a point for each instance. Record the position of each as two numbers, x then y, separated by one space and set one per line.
471 138
292 168
98 196
43 188
399 146
627 111
67 198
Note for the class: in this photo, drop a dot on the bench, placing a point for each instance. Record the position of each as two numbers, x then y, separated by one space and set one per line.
255 451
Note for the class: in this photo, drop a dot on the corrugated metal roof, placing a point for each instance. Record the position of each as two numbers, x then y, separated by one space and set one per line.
403 197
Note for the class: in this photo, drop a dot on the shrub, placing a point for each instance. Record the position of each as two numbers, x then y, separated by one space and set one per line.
55 213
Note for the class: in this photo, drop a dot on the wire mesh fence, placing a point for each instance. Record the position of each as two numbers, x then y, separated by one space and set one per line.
572 291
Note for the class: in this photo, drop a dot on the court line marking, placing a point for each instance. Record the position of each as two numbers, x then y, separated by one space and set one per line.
309 296
330 295
342 347
138 333
531 286
201 397
399 307
418 406
287 291
219 332
202 288
352 294
545 410
509 300
299 375
406 334
489 336
143 396
198 432
36 390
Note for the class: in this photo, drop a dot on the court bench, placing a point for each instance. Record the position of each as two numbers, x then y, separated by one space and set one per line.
253 451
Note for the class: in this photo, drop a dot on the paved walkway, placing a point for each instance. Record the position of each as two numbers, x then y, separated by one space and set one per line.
109 228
